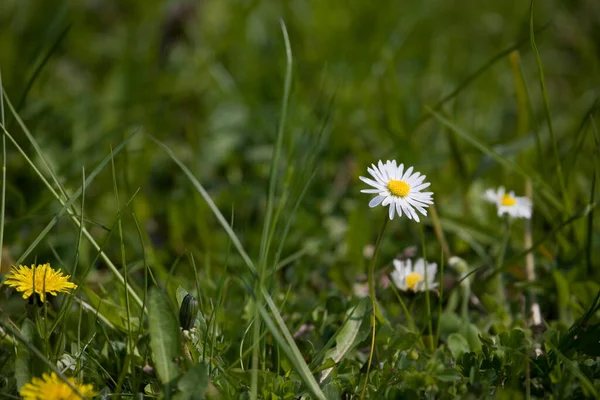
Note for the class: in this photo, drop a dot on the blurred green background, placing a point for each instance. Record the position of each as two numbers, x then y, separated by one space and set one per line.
207 78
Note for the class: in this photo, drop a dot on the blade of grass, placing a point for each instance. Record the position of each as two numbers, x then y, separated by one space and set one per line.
38 150
574 369
580 139
561 180
130 350
590 221
544 189
39 355
38 69
467 81
47 229
284 338
553 231
269 225
3 201
62 199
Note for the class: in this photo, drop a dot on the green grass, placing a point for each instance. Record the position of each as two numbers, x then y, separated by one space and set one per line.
155 149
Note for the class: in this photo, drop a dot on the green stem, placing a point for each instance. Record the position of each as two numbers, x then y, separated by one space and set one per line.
561 180
498 281
427 299
409 319
439 318
371 271
374 309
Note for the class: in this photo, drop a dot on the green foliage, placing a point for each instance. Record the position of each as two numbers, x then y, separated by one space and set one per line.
164 333
157 150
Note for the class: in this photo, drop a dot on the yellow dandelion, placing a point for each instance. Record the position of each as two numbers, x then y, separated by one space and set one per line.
41 280
51 387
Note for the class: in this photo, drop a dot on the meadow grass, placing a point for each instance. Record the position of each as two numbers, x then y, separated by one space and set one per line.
194 168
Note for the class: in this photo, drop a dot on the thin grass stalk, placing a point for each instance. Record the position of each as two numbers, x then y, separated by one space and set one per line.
559 173
545 189
72 214
39 355
374 308
439 232
68 300
427 297
590 221
130 348
526 112
439 316
536 317
284 338
146 270
269 223
471 78
497 280
3 195
409 319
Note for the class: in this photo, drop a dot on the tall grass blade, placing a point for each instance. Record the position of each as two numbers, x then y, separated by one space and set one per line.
62 198
22 339
468 80
3 194
284 339
559 173
544 189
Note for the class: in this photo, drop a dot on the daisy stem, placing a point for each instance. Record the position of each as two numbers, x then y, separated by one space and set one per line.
427 299
409 319
371 273
439 316
375 310
498 281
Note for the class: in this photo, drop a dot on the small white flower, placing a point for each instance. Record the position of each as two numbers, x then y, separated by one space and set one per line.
508 203
398 188
408 277
360 289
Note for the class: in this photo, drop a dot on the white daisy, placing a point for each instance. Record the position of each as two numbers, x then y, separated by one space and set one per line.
398 188
408 277
508 203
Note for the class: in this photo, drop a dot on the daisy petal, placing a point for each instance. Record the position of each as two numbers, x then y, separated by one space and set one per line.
375 201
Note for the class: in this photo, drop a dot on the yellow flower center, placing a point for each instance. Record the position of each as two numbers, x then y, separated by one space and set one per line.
507 200
412 279
398 188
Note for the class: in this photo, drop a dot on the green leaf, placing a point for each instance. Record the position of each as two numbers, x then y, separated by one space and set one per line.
332 391
458 345
193 385
347 335
449 323
327 364
471 333
23 359
165 339
448 375
563 295
111 312
180 294
586 384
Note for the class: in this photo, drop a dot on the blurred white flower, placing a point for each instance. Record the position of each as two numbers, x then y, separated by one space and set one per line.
407 276
360 289
508 203
368 251
398 188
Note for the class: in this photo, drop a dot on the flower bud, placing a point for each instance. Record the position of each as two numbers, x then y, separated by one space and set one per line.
187 312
